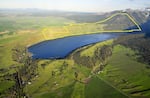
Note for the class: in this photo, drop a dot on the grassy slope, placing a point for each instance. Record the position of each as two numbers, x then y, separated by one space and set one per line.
43 86
90 51
99 89
125 73
3 85
8 44
23 38
122 76
6 55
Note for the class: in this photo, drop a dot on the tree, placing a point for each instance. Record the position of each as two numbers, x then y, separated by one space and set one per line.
76 74
105 52
53 73
25 72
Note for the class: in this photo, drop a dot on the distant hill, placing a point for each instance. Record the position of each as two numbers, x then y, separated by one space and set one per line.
142 17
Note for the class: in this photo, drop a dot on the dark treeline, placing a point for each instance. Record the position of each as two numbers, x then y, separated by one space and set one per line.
26 70
100 57
137 42
103 53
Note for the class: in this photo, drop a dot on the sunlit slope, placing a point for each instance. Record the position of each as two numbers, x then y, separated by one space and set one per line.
119 22
64 84
126 73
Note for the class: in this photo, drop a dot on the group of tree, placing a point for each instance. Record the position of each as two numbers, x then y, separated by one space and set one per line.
103 53
100 55
137 42
26 70
60 70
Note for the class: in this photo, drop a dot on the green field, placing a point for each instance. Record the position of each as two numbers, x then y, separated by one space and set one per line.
14 23
124 72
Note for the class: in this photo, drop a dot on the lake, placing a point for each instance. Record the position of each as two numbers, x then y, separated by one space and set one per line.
62 47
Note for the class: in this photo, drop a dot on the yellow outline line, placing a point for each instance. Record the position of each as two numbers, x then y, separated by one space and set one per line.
110 17
131 18
43 32
102 21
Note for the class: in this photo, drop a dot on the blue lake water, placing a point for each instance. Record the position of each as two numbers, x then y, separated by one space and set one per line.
62 47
